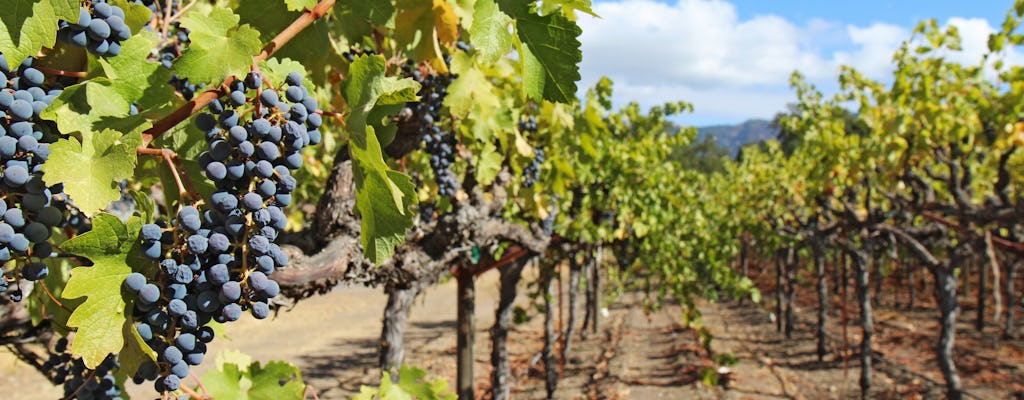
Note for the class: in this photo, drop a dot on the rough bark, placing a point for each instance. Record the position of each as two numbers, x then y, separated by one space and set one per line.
791 262
861 258
945 293
992 261
1009 330
510 275
595 304
911 284
588 293
466 330
574 290
396 317
550 365
863 267
779 260
818 247
979 318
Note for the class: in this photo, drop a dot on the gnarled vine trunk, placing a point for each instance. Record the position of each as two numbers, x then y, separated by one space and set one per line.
396 317
466 329
574 291
510 275
945 294
818 247
791 261
550 366
1009 330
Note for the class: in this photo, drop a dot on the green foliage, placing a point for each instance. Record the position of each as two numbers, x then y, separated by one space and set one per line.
237 377
100 319
219 46
410 385
384 222
95 165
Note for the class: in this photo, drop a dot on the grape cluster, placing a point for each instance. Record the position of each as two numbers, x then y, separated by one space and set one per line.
29 210
532 172
100 28
78 381
215 263
440 143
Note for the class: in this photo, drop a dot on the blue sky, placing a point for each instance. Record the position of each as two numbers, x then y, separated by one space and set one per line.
732 58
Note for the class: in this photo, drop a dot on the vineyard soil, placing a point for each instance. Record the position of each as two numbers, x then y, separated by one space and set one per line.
332 338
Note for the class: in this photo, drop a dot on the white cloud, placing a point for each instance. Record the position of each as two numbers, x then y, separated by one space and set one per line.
732 69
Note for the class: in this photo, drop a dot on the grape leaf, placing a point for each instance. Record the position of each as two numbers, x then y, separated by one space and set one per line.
88 106
383 196
488 164
553 40
299 5
219 47
276 380
490 33
433 23
92 168
26 26
142 82
101 317
411 385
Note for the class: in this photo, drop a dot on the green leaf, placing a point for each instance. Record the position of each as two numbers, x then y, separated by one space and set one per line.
411 385
89 106
234 379
553 40
140 81
219 47
299 5
489 31
384 197
91 169
488 164
102 317
30 25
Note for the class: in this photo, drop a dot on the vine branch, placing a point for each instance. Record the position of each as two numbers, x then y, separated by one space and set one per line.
203 99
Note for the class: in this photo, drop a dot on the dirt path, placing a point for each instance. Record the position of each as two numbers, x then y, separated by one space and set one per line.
333 339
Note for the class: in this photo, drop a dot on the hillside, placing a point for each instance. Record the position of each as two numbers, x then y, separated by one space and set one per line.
735 136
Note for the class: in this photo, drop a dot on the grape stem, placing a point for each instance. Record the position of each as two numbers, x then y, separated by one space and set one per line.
171 158
58 72
311 391
92 374
198 381
54 299
197 103
192 393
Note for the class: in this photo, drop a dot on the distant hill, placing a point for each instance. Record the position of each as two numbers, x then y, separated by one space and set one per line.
735 136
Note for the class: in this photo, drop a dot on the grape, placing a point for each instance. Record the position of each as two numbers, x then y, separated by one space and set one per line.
100 29
135 281
149 293
260 310
34 271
